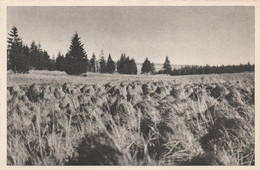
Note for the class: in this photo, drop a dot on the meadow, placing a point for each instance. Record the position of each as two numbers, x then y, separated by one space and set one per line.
112 119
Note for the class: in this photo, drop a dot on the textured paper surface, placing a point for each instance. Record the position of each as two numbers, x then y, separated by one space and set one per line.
3 68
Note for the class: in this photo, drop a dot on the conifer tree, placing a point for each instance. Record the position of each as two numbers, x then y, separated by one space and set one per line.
147 67
167 66
39 58
60 62
121 66
52 64
102 63
125 65
44 60
93 63
132 67
17 54
110 65
76 61
34 55
152 68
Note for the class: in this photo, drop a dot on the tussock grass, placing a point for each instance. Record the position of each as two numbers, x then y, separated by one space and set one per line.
201 121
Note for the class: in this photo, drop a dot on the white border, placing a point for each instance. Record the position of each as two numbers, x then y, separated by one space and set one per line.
3 84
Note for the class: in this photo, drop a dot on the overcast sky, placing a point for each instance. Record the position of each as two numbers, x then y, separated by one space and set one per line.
188 35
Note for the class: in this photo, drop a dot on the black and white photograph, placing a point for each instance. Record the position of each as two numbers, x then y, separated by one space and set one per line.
130 85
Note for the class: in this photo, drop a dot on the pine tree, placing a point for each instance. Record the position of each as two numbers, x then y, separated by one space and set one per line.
147 67
76 58
110 65
17 54
167 66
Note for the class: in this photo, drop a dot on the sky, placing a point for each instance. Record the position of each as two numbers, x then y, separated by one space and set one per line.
187 35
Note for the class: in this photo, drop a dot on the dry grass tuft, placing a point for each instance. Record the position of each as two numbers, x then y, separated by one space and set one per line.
153 121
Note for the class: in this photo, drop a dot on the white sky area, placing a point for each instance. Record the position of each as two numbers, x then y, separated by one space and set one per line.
188 35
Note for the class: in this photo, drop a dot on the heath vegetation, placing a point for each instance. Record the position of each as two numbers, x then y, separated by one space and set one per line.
203 120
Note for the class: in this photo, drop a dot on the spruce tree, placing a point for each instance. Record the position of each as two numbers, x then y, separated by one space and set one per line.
147 67
102 63
39 58
52 64
93 63
60 62
132 67
44 60
22 61
121 64
34 55
110 65
152 68
17 54
76 58
125 65
167 66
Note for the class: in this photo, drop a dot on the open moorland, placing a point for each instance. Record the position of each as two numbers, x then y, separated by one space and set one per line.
103 119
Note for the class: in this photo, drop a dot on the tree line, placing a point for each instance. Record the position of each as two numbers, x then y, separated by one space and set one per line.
21 59
189 70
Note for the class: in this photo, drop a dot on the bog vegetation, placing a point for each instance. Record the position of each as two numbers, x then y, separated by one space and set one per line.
204 121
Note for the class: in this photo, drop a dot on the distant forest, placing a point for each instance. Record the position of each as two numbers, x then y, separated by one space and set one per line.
189 70
21 59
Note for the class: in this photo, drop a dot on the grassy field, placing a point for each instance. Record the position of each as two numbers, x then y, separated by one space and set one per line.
58 77
101 119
